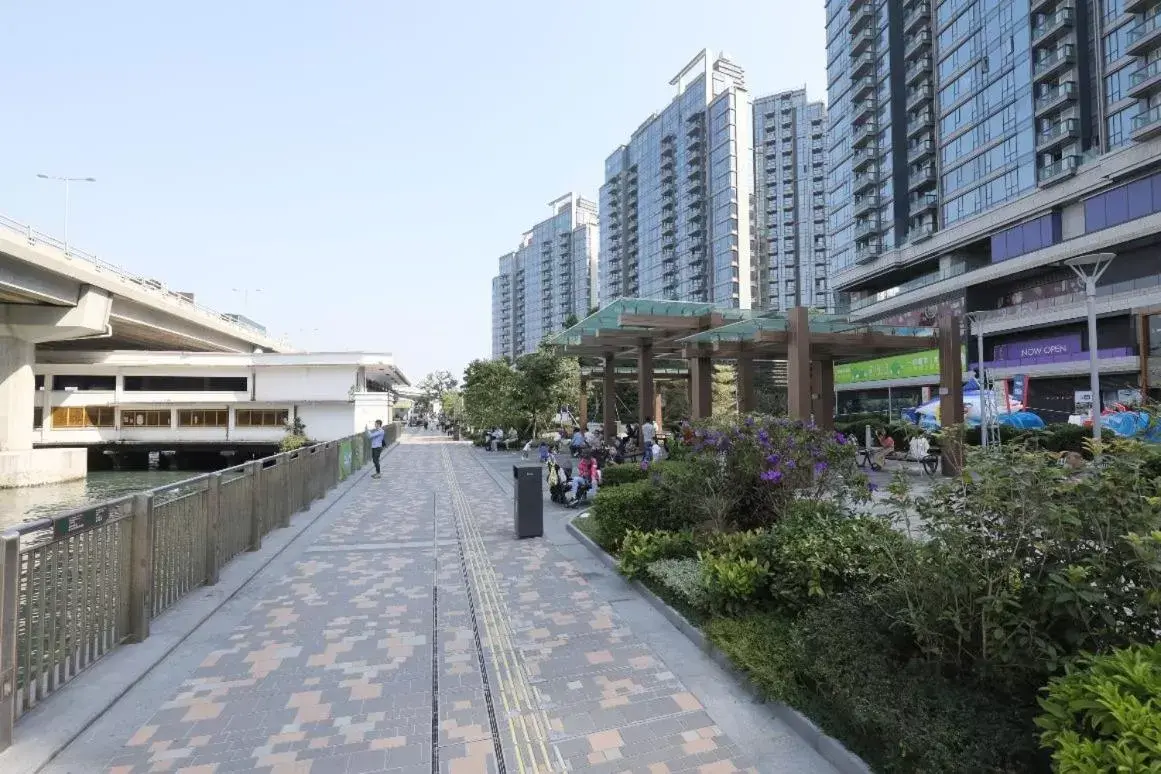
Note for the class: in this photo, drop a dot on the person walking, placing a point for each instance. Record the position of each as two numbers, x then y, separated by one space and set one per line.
648 433
377 436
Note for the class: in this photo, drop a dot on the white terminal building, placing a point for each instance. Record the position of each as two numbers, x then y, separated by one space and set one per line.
121 404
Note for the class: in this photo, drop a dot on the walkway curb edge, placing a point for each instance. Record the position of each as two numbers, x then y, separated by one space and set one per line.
831 750
34 752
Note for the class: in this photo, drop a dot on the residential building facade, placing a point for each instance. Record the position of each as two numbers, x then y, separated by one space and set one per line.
977 144
675 205
790 215
549 277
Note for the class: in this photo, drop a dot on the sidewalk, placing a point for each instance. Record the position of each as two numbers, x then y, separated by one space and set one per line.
411 633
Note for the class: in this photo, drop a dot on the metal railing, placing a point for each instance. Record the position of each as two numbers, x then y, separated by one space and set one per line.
76 586
35 237
1130 289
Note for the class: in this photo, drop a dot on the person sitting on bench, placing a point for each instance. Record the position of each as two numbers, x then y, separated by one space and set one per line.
883 450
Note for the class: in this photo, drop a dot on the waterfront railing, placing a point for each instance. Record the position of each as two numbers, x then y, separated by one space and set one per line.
76 586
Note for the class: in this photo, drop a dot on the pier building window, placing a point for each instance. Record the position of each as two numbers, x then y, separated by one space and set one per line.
261 417
203 418
74 417
38 418
185 384
84 382
146 418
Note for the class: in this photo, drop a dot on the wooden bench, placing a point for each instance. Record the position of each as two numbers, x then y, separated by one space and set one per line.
929 461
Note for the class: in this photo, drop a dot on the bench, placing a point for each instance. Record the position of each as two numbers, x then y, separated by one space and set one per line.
921 454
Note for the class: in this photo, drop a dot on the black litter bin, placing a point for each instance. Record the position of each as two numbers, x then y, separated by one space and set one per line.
527 501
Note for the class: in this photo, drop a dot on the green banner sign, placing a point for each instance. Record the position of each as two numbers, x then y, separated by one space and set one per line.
885 369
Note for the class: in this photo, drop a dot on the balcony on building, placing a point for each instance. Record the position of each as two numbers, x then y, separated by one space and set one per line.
863 182
861 65
866 227
918 177
919 151
862 14
1145 80
921 204
917 43
919 94
918 123
861 205
861 41
862 158
1062 132
867 251
863 109
916 14
918 68
1041 6
861 87
1054 26
1055 171
863 134
1056 97
1054 62
1136 6
1145 36
920 232
1147 124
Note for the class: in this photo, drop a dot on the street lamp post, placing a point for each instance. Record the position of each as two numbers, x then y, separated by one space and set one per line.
1088 269
246 296
67 182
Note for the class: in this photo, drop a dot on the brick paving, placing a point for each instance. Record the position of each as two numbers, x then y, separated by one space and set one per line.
417 635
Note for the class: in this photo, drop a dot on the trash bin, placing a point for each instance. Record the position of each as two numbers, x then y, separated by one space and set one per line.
527 501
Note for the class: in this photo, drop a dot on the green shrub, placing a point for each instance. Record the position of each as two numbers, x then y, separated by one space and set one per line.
625 473
732 584
1027 566
680 583
1104 714
837 663
640 549
817 551
638 505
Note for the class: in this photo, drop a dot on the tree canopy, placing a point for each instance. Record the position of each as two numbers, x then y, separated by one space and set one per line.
433 386
526 395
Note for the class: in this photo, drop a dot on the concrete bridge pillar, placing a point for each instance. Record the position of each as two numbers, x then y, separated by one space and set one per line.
22 327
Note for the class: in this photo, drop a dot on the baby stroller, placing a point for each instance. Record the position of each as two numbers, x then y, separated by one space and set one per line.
558 482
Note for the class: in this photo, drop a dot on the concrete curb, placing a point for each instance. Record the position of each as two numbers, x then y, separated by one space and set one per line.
831 750
52 726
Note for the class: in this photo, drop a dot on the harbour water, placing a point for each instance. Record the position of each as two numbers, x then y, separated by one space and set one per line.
17 505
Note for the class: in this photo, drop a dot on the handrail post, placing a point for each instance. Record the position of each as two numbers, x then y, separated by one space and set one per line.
9 602
213 519
141 567
254 474
287 499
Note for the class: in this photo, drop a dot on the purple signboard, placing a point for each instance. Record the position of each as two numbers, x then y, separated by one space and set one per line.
1039 349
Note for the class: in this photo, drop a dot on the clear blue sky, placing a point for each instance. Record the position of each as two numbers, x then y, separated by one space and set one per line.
362 163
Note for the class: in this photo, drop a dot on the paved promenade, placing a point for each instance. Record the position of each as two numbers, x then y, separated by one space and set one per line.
410 632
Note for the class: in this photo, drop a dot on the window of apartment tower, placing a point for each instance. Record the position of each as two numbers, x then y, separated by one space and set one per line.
261 417
203 418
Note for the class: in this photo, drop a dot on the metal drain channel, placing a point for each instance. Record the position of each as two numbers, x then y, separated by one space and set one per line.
528 724
435 640
497 745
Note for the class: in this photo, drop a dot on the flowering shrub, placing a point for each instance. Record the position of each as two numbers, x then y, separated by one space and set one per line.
758 465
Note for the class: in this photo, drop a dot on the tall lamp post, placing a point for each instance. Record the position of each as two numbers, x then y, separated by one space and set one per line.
1089 269
67 182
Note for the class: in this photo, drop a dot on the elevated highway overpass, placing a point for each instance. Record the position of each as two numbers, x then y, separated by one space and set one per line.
53 297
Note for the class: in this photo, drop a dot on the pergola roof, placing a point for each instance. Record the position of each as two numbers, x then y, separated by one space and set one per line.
690 329
627 323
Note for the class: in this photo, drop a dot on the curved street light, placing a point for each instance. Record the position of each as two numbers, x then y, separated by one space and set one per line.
1089 269
67 182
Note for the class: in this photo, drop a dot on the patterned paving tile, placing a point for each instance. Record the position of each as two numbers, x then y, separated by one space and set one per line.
416 635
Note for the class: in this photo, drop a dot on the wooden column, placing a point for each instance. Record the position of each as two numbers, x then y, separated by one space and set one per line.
747 399
822 397
609 397
950 392
798 364
701 371
657 409
583 408
644 380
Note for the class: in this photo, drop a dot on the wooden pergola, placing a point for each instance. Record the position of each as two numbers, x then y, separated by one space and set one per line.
811 343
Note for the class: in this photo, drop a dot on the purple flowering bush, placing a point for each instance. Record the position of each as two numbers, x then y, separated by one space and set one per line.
757 465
